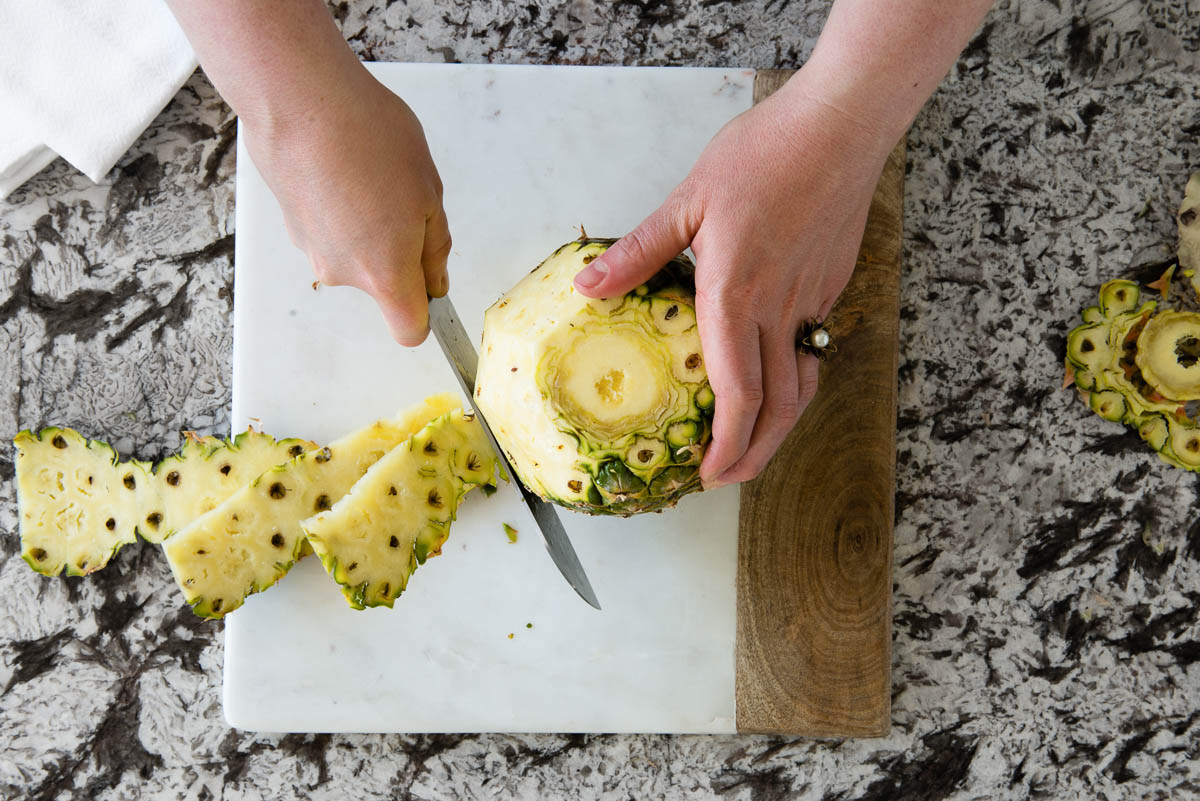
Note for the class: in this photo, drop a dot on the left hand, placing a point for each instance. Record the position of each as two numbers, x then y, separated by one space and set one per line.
774 210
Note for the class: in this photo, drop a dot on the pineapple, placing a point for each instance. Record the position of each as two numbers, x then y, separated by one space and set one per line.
250 540
78 503
603 406
207 470
399 513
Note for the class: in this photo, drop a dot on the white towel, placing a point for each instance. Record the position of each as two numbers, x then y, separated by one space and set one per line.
82 79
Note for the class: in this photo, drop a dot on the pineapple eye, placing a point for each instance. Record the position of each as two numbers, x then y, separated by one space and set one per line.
435 500
129 481
173 478
322 503
190 582
154 519
352 566
110 524
201 552
671 312
430 447
391 490
40 555
323 456
295 450
277 540
277 490
395 543
82 564
645 455
216 607
692 362
58 442
225 468
575 486
473 463
386 589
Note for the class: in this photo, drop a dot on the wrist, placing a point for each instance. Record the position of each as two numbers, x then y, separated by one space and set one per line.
305 99
871 112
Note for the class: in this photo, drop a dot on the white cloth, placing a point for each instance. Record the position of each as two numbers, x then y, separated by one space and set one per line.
82 79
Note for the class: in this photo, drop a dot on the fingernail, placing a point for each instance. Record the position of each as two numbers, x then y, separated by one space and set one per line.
591 276
713 483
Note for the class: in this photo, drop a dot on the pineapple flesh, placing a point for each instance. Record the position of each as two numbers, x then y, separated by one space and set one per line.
249 541
78 503
602 406
207 470
399 513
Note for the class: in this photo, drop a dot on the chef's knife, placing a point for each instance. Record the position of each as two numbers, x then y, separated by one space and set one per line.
449 332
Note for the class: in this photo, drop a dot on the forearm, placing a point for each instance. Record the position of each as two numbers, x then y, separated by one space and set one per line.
878 61
271 60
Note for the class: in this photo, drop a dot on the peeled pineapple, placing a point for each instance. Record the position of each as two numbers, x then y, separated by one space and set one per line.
251 540
78 503
603 406
399 513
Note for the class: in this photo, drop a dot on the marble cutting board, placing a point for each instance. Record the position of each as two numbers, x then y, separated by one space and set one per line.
488 637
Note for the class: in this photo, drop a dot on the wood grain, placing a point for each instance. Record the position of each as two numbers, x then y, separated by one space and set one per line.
815 535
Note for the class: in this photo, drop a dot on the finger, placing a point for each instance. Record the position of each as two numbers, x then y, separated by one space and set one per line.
434 254
734 364
399 289
789 383
641 253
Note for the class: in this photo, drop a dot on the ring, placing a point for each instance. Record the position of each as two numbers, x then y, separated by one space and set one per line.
814 339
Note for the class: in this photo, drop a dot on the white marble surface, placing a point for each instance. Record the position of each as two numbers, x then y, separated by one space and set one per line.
1047 613
525 157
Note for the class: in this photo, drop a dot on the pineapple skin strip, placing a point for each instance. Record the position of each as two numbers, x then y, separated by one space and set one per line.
77 503
399 513
248 542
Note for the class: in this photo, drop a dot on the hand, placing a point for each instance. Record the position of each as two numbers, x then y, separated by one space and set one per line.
361 196
774 210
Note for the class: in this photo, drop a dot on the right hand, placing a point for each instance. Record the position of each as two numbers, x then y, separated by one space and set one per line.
361 196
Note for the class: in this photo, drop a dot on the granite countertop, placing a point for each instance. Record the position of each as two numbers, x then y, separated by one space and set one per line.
1047 566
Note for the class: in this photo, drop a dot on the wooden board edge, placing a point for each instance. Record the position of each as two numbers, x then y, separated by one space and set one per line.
768 699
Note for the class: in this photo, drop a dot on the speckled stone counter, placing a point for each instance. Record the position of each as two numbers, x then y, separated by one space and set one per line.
1047 566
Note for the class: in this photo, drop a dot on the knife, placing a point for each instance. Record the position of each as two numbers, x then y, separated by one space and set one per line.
459 351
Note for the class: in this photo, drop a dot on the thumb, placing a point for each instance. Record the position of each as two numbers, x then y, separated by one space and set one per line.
638 255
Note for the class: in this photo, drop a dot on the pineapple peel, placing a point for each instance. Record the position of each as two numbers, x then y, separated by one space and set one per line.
399 513
1140 366
251 540
237 503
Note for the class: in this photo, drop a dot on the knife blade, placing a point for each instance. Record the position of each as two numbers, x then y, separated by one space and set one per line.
456 345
